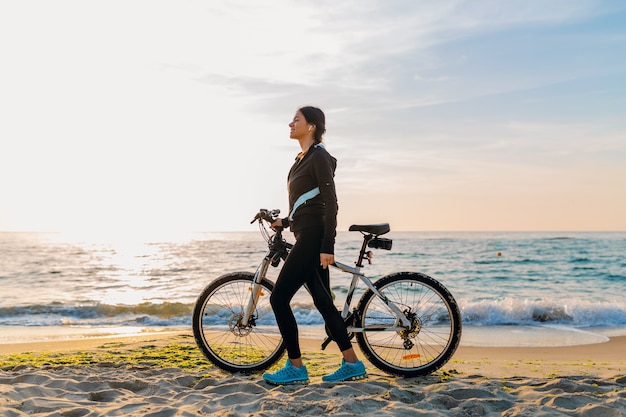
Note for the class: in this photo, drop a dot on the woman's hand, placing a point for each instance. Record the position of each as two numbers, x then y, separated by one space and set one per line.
277 223
326 259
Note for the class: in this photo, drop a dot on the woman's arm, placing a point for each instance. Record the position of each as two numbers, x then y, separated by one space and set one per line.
324 172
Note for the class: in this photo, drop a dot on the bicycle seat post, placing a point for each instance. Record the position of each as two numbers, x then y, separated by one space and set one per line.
369 232
363 252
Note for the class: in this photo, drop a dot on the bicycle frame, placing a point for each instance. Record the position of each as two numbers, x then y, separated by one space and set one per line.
356 276
277 245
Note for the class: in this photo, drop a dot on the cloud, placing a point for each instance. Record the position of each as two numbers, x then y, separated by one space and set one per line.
189 101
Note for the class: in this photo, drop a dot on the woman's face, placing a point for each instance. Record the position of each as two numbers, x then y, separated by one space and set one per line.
299 127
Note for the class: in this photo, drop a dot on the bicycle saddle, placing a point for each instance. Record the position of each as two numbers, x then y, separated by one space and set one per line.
375 229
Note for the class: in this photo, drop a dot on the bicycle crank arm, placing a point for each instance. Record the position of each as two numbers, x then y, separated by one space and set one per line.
326 342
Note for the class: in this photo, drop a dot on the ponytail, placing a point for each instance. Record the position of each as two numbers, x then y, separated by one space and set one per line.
316 117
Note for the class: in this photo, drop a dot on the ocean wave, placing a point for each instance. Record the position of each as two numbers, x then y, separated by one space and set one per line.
54 314
512 311
507 311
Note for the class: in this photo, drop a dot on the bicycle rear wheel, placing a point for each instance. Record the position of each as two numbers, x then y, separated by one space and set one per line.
435 330
218 331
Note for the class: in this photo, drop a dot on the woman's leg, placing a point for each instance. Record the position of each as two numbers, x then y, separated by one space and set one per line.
319 285
296 269
351 368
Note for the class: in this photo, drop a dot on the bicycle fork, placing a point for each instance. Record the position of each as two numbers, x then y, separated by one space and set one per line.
255 290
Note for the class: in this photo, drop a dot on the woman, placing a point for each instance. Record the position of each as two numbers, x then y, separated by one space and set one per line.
313 220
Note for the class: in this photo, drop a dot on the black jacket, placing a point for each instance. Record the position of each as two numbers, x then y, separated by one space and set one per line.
315 169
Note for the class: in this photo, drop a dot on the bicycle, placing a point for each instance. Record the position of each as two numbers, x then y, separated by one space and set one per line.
406 323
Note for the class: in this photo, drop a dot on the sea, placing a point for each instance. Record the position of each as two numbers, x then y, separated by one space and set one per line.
527 289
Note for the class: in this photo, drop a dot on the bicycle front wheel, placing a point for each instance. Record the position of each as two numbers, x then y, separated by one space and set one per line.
431 339
220 334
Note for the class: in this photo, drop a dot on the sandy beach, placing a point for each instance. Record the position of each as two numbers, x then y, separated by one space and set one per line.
165 375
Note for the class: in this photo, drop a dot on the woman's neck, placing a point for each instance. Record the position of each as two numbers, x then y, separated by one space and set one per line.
306 143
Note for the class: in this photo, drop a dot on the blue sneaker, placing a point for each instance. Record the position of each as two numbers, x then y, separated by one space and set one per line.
347 372
288 375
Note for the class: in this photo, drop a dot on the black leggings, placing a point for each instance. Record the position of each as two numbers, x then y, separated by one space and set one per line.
302 266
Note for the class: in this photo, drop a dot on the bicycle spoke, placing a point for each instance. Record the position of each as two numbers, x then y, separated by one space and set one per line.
430 340
218 329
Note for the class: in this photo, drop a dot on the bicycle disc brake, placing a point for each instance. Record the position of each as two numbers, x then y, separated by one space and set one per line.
234 324
411 332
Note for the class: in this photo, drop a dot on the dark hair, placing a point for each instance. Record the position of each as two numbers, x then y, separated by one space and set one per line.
316 117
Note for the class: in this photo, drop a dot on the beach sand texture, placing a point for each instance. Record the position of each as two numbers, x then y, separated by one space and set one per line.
165 375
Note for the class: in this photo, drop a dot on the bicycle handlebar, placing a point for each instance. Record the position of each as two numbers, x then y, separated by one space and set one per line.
269 216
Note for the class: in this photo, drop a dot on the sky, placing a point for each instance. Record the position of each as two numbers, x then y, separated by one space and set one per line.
142 116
